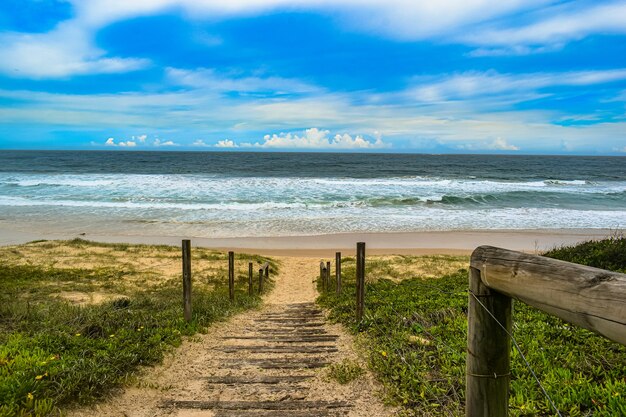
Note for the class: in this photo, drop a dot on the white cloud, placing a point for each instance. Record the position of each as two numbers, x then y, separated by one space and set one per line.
557 26
209 79
498 144
127 144
141 138
471 84
199 143
315 138
157 142
65 51
226 143
69 49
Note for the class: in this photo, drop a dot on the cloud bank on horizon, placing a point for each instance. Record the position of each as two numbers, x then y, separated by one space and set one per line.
512 76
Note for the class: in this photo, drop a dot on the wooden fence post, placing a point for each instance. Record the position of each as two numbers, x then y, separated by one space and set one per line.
267 272
322 276
231 275
260 280
360 280
488 350
338 271
328 286
187 280
250 279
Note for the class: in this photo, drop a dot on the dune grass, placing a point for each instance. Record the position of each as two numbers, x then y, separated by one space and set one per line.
415 329
56 351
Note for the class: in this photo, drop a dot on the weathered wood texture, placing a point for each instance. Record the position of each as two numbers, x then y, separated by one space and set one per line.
260 280
360 280
186 279
488 350
592 298
338 271
231 275
328 281
323 275
250 273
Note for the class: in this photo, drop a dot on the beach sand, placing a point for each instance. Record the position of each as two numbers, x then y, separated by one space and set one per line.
407 243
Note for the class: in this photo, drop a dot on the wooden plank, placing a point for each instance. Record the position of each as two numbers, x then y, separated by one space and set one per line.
231 275
258 379
273 364
488 351
592 298
288 339
255 405
277 413
278 349
186 255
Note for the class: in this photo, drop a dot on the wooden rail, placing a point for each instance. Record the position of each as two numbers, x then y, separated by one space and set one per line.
592 298
264 275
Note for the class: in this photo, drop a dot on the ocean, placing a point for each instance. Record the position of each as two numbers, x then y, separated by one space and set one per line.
237 194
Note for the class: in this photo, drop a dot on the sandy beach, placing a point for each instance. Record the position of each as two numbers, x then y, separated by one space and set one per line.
409 243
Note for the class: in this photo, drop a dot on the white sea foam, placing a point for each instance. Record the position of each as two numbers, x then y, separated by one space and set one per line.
296 205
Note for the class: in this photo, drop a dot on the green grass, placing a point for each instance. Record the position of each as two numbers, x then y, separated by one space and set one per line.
414 332
345 371
53 353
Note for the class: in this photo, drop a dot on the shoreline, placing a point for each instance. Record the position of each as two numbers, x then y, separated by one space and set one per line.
461 242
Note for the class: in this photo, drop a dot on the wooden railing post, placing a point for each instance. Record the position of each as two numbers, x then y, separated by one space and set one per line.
187 280
231 275
488 350
338 271
328 281
250 289
260 280
267 271
360 280
322 276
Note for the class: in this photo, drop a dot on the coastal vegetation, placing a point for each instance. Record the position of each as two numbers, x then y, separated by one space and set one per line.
415 328
78 318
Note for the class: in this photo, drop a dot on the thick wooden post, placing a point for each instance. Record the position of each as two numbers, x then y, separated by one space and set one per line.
231 275
267 272
488 350
328 285
360 280
338 271
322 276
187 280
250 290
260 280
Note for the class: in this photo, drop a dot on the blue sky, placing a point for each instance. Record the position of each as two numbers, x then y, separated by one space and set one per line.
470 76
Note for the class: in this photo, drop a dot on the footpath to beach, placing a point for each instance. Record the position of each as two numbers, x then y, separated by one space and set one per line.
269 362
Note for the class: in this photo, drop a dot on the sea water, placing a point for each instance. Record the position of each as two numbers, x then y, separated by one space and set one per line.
237 194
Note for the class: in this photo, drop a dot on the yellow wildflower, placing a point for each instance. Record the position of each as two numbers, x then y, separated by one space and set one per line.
77 334
30 396
111 335
382 352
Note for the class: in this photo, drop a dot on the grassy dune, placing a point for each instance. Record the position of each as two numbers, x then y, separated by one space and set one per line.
77 319
415 330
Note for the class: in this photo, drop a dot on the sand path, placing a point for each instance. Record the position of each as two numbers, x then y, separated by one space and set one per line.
269 362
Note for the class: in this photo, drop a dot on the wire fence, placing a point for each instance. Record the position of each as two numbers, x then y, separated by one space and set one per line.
443 393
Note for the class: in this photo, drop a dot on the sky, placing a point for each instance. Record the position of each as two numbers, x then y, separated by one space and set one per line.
457 76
